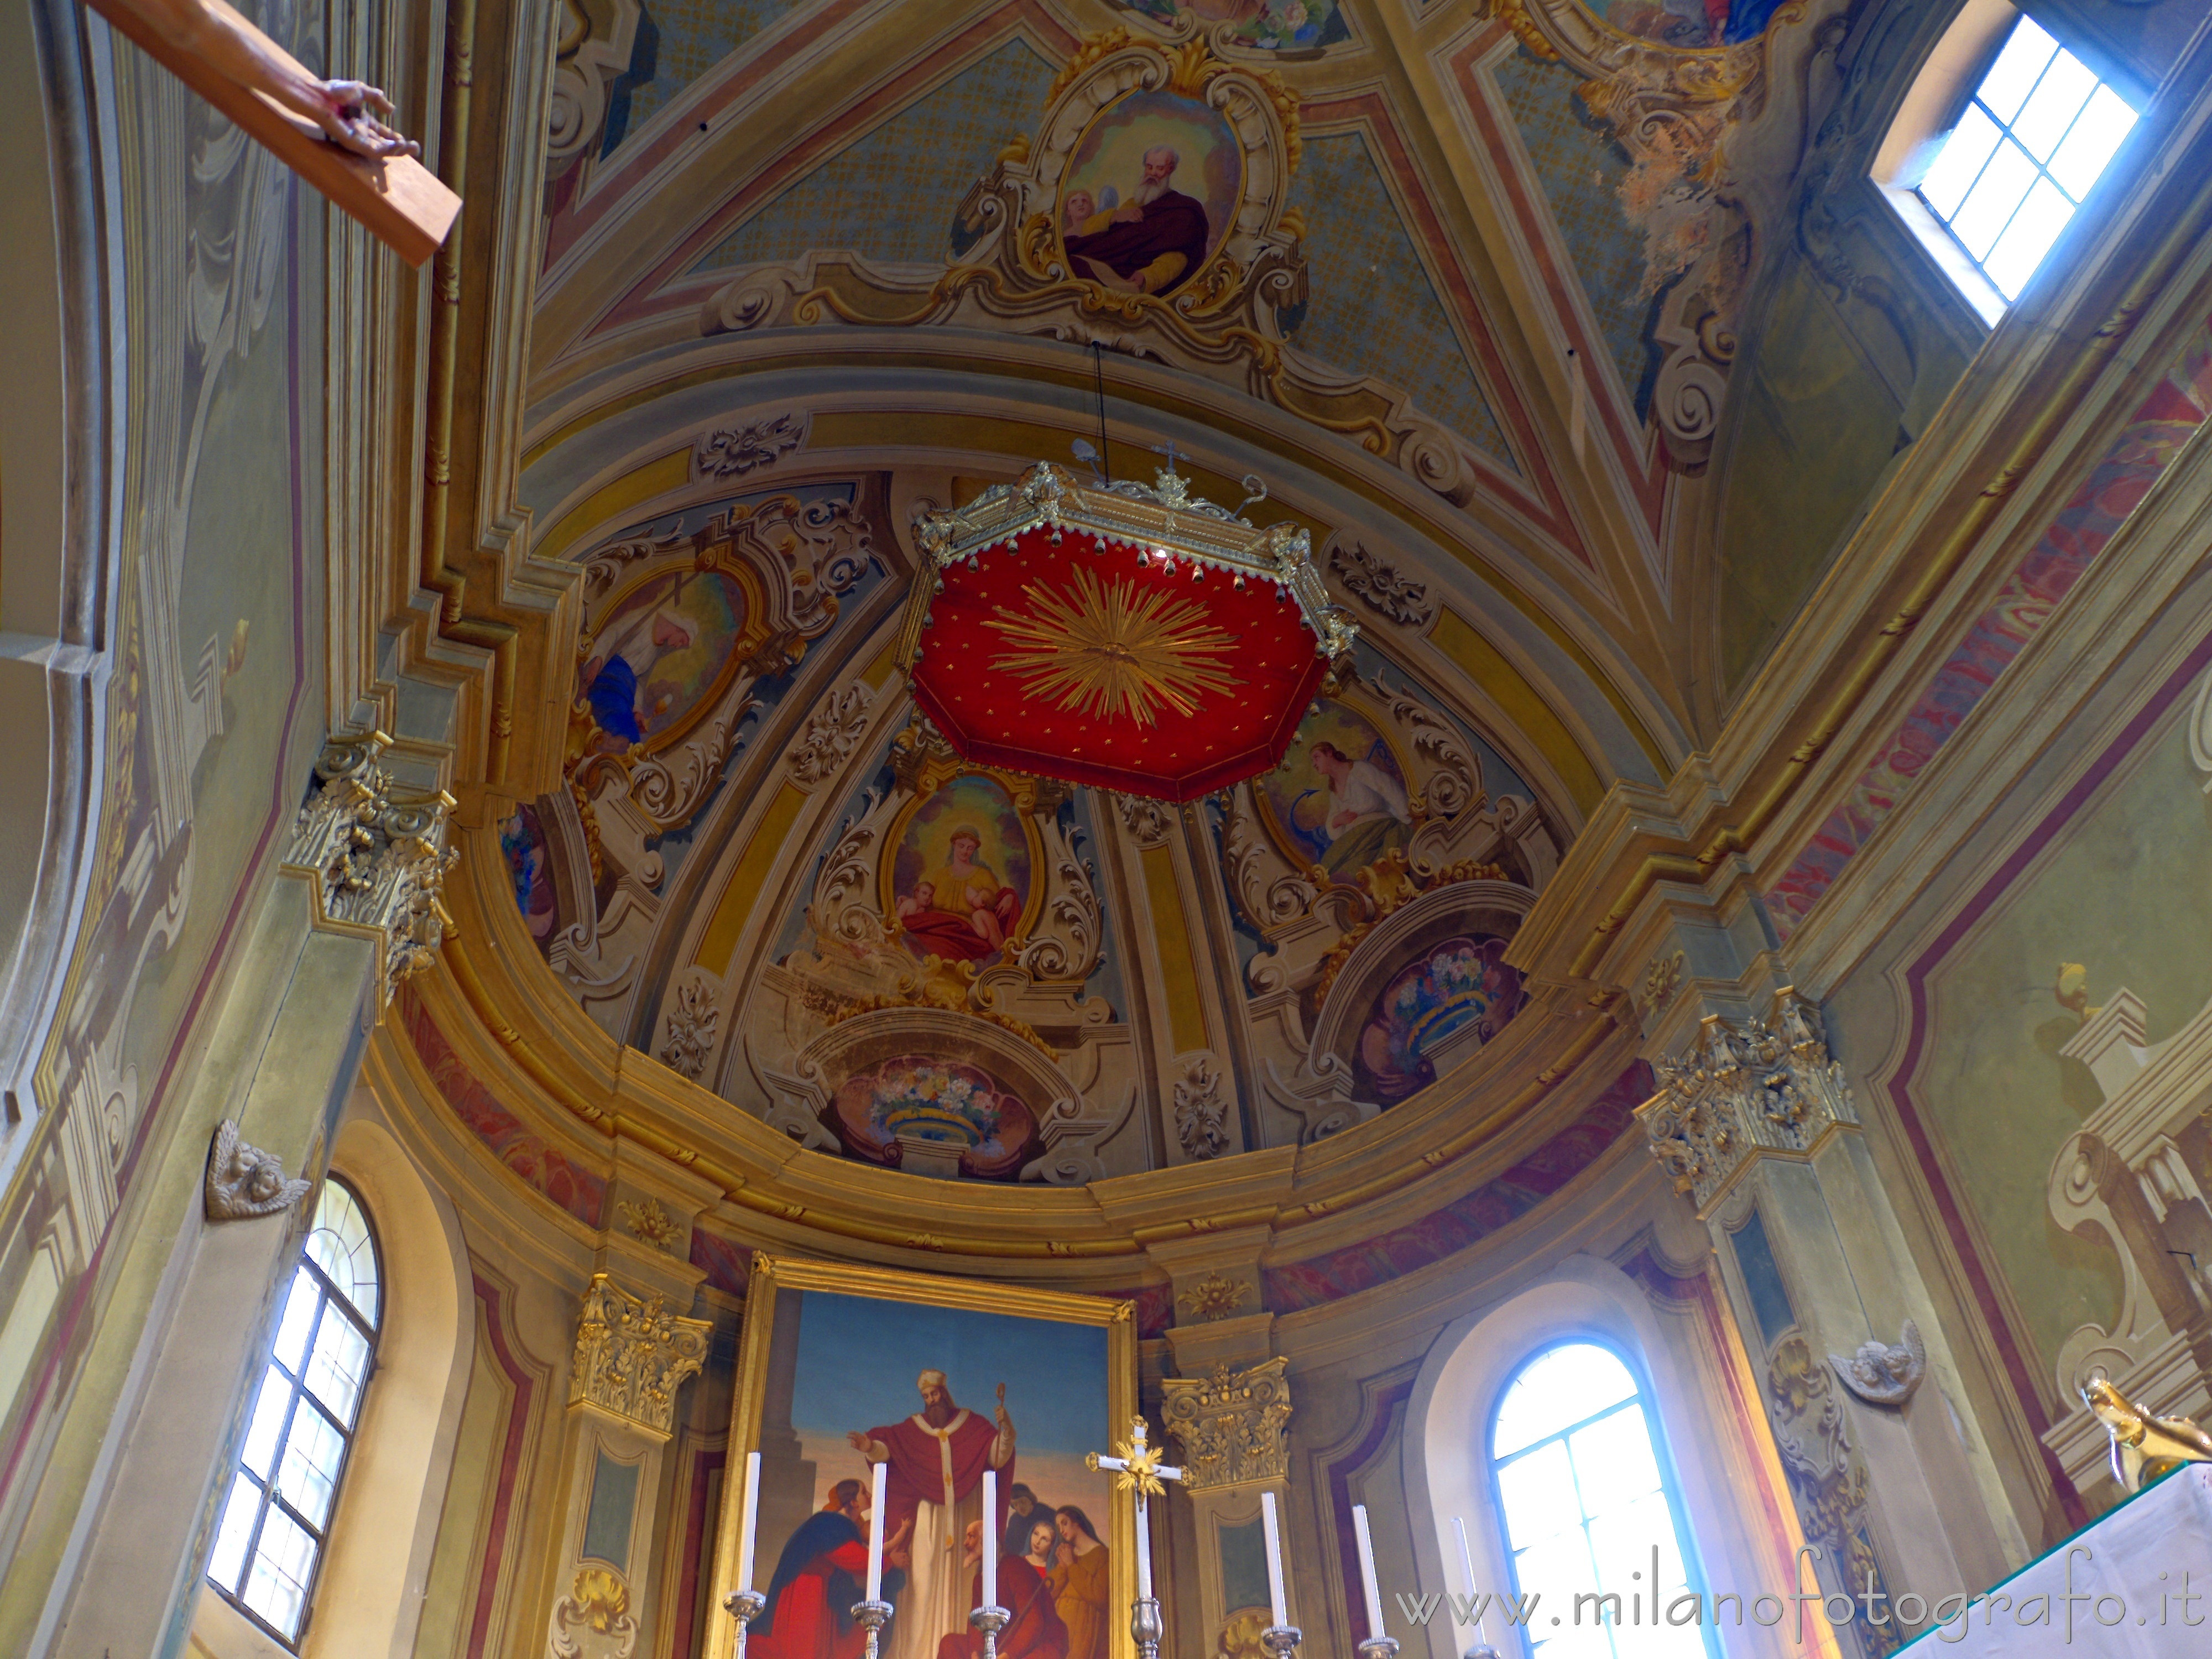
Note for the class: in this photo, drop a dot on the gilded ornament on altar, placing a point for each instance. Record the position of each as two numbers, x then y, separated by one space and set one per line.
1234 1426
2144 1447
632 1354
1109 651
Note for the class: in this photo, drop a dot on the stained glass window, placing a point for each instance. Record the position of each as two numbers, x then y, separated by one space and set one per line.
2036 134
276 1515
1588 1511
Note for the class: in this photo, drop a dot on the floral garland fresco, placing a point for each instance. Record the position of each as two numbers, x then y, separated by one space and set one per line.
546 1172
1468 1219
2139 455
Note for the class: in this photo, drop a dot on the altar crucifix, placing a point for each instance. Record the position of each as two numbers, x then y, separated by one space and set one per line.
329 132
1137 1468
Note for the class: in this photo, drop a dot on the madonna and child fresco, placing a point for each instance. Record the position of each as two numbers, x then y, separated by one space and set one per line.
937 1395
1151 192
960 878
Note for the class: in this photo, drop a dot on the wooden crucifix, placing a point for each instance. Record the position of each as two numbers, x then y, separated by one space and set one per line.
327 131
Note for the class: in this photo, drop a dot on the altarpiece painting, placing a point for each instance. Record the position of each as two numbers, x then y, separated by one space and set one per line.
941 1380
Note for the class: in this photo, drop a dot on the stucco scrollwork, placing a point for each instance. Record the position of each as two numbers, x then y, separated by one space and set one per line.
1742 1092
1234 1426
374 855
690 1022
833 731
1145 822
632 1354
1826 1475
244 1181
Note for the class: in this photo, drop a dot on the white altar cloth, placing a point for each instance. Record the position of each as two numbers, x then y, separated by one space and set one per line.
2139 1579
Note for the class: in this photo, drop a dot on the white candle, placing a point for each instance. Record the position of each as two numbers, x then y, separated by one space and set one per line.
876 1537
1367 1570
747 1528
1278 1614
989 1591
1466 1560
1144 1551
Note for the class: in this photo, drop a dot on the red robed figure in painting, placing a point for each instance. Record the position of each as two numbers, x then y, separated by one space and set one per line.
934 1483
1033 1632
821 1574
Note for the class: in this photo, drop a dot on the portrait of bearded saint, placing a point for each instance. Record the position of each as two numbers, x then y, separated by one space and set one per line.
1153 241
934 1484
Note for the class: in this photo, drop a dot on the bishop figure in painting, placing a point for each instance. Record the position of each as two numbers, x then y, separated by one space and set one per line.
935 1487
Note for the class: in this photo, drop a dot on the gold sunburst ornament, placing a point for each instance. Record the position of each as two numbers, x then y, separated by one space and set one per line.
1132 637
1111 651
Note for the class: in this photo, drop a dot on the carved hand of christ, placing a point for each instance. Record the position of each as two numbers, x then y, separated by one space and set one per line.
329 132
212 31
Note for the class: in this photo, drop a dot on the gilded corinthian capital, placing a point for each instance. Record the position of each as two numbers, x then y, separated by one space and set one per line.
632 1355
1234 1426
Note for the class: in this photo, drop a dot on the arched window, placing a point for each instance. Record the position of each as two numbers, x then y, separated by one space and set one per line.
270 1540
1587 1510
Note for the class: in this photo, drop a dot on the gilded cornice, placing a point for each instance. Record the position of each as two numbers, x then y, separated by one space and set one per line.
545 1061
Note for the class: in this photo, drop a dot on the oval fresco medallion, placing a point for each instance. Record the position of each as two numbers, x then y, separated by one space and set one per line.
958 882
1151 192
662 651
1339 800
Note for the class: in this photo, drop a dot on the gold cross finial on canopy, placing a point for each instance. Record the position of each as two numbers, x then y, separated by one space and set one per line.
1135 1464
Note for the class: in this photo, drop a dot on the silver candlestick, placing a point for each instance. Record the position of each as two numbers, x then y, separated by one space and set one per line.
990 1621
1379 1647
1281 1641
1144 1626
872 1615
1482 1649
745 1606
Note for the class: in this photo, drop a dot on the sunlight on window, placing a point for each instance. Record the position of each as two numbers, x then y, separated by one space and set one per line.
270 1538
1587 1510
2037 134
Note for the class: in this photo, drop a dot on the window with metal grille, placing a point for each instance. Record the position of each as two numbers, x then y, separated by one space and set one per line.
2036 133
276 1515
1592 1523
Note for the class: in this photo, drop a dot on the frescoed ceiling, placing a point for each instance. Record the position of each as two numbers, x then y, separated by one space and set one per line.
1477 292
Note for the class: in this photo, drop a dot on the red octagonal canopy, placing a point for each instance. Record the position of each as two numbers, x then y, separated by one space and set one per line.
1127 638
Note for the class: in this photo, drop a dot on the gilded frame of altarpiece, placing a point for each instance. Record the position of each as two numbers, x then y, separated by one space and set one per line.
765 1343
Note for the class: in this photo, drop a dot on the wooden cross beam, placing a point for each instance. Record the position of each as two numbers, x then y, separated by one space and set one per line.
246 74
